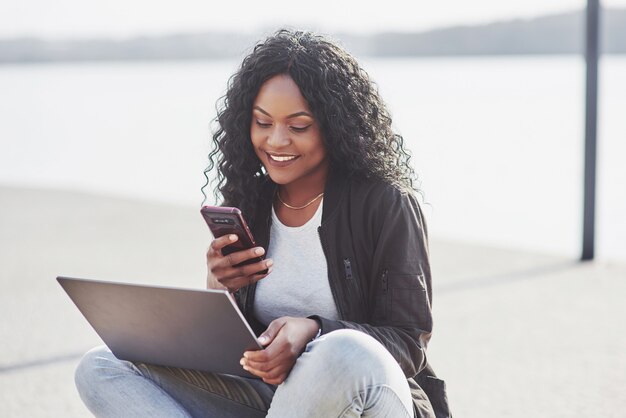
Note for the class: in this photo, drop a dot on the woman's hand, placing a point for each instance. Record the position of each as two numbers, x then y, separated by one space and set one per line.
221 273
284 341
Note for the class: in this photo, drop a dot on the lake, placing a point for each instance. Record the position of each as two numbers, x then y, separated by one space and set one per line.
497 141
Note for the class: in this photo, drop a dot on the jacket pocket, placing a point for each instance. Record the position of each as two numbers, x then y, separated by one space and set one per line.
409 303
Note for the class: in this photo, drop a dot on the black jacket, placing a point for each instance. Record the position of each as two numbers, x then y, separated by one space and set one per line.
375 242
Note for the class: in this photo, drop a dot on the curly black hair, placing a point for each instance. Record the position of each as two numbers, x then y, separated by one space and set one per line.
353 119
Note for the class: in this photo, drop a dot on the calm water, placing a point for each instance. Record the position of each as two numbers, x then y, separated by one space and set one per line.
497 141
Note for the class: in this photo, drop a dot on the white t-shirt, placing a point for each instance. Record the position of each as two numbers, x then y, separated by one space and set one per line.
298 285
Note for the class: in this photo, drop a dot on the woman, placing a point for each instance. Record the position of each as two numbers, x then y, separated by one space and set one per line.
306 150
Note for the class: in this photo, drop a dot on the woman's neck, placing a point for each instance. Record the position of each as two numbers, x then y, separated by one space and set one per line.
298 194
295 217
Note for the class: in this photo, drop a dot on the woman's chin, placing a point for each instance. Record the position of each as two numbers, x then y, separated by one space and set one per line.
279 179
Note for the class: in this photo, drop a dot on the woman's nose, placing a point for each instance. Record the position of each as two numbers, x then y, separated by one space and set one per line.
278 137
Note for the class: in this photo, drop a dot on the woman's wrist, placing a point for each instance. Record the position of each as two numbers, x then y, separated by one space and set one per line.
318 327
319 333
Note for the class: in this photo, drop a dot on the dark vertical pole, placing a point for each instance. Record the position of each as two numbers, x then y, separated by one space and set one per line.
591 118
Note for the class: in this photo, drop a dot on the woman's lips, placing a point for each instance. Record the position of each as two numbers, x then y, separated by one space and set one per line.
281 160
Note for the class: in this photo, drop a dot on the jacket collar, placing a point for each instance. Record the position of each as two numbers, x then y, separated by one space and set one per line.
333 193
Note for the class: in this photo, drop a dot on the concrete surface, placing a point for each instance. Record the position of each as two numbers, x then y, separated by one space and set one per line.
516 334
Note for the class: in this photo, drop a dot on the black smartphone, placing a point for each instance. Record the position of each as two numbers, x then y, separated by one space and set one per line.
223 220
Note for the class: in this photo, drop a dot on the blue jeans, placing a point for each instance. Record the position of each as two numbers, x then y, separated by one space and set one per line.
345 373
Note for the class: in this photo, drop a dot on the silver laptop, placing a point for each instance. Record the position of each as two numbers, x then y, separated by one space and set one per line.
187 328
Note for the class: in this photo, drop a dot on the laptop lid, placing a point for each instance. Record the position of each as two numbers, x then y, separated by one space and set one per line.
187 328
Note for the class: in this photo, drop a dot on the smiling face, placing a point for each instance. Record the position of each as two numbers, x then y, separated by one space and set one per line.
287 138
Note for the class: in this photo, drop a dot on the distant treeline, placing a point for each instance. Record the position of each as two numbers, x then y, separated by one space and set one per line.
553 34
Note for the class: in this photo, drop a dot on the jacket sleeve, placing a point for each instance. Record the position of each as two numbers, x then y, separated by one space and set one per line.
399 291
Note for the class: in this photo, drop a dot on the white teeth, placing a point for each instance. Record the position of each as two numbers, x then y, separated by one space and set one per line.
277 158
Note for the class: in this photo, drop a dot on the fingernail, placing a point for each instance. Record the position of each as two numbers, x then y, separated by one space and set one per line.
245 355
242 361
245 368
232 237
263 339
259 251
269 263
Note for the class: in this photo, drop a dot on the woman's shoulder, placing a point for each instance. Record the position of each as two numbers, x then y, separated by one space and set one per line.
382 204
378 201
384 193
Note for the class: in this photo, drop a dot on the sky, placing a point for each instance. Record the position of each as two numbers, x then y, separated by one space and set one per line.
61 19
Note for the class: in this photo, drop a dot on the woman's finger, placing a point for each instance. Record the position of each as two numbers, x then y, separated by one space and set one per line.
243 272
274 376
238 257
268 336
218 243
265 367
235 283
247 281
276 367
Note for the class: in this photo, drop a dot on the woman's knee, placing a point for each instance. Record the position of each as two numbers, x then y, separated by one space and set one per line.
354 354
339 369
356 345
95 367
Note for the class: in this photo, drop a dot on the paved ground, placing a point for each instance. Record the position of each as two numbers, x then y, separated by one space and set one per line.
516 334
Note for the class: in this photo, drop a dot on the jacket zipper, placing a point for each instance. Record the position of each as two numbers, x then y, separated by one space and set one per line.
384 281
347 267
385 287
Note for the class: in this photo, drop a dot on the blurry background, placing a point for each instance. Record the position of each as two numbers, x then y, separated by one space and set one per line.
116 98
105 111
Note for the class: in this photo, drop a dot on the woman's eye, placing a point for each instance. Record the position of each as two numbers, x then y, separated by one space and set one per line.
263 124
300 128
